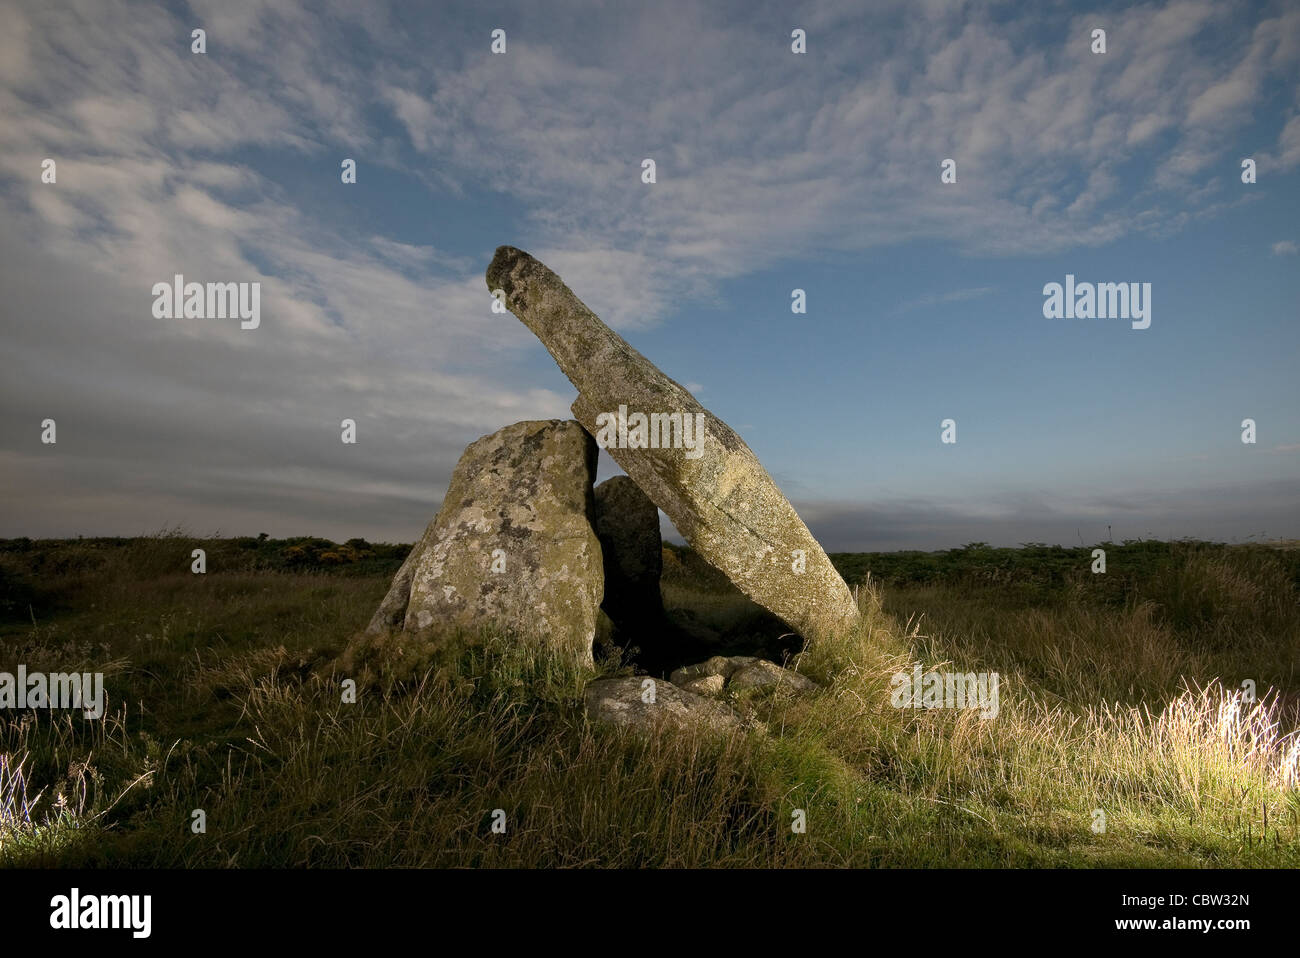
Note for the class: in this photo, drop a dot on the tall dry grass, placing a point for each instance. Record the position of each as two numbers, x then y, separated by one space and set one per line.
225 695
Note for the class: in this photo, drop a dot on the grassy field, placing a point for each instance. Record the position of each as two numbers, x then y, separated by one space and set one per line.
1120 694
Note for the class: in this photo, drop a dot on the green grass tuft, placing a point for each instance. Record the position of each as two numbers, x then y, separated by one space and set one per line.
1121 693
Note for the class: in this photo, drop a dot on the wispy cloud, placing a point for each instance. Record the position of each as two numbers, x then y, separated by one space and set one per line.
940 299
167 164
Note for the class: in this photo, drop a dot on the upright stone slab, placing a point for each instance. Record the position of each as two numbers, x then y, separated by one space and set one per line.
391 614
718 495
513 546
627 523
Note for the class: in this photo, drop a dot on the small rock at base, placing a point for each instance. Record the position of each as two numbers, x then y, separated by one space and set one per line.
622 702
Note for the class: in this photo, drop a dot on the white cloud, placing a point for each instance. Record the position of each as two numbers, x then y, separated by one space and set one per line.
215 420
940 299
761 156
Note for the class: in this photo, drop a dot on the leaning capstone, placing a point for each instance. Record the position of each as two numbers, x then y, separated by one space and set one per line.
512 547
689 462
627 523
631 703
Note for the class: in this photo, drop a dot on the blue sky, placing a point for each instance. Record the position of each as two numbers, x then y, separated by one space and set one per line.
775 171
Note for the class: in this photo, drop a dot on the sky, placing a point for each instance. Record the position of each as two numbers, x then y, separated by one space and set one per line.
774 171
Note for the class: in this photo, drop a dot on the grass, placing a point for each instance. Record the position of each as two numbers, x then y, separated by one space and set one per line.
1121 696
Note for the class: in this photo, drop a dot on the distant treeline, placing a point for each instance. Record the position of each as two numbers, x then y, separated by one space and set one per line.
1033 572
170 551
1037 571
